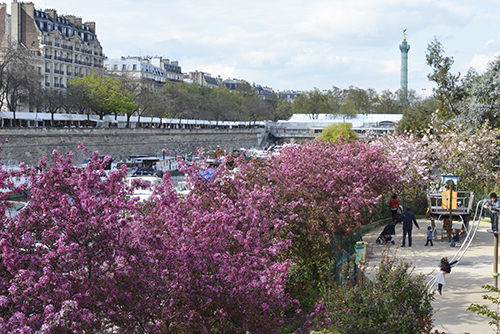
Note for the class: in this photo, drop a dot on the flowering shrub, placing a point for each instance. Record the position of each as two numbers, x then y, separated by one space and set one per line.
320 190
420 157
218 251
84 257
68 260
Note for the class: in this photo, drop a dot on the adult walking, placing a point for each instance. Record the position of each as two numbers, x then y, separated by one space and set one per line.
394 206
408 219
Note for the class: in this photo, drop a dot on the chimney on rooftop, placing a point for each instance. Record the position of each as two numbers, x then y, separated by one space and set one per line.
52 14
71 20
91 26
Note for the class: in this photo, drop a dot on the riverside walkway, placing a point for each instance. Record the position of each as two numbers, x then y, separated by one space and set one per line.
463 285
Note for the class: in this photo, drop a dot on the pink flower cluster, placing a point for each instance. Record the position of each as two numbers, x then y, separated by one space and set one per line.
85 256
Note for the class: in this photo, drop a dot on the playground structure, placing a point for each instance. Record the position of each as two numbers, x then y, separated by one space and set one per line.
450 206
470 234
457 205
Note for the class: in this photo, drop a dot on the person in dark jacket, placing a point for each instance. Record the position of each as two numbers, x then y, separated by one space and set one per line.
408 219
494 205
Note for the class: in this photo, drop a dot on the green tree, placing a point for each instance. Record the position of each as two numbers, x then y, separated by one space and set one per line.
311 103
225 105
348 108
483 102
450 89
245 90
178 99
335 98
368 305
103 95
387 103
337 132
283 111
417 116
254 109
363 100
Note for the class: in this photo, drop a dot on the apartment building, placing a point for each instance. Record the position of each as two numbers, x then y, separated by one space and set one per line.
202 78
62 47
152 72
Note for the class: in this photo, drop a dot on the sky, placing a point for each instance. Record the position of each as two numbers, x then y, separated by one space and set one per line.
297 44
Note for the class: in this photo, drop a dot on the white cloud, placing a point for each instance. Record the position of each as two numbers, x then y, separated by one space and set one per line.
480 61
297 43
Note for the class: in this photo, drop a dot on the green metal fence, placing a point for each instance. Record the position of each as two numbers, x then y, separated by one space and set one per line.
342 247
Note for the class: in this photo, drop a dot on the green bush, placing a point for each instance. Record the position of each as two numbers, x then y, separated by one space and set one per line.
394 301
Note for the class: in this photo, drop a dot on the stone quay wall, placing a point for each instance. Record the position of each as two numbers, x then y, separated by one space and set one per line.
28 145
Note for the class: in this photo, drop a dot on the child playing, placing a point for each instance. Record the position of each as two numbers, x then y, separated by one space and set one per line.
429 236
455 238
445 269
494 205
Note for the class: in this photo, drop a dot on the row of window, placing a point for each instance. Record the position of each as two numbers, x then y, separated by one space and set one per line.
58 82
66 70
72 47
67 31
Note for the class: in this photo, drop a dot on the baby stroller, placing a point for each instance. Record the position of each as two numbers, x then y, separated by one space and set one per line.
385 236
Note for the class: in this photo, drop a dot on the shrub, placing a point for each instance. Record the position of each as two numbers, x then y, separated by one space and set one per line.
394 301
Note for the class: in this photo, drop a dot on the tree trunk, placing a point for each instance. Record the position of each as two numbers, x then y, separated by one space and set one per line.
128 120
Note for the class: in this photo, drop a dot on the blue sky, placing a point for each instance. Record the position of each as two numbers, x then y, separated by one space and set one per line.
296 44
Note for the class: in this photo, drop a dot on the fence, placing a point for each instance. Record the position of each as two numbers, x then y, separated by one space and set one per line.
342 247
417 203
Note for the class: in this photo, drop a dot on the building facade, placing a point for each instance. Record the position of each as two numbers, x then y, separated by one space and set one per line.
289 95
264 92
232 84
172 70
62 46
201 78
152 72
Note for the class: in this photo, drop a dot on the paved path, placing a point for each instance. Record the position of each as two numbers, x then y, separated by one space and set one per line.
463 285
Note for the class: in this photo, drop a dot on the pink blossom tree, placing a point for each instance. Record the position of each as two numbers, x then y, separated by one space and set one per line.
321 190
421 157
86 257
70 263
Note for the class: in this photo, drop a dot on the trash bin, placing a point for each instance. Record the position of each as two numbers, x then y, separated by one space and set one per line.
360 248
363 256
